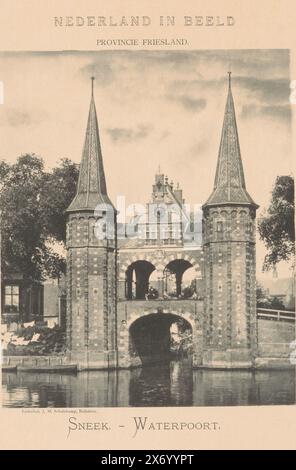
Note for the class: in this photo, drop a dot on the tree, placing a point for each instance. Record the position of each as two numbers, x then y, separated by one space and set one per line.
276 228
57 193
266 301
33 203
261 296
277 303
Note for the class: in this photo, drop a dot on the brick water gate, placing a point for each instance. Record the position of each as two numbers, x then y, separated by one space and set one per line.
125 292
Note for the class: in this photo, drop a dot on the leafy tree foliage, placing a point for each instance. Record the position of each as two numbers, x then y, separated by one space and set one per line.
276 228
58 191
265 301
33 203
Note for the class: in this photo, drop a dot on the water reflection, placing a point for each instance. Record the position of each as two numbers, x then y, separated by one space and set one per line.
163 385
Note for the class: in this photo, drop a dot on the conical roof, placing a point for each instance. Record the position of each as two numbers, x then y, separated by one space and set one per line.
229 186
91 188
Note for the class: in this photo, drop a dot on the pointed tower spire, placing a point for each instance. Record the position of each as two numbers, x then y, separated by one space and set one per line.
91 188
229 186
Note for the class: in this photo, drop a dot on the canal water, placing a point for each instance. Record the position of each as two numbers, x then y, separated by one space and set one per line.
174 384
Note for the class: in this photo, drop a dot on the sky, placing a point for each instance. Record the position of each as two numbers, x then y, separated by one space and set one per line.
161 108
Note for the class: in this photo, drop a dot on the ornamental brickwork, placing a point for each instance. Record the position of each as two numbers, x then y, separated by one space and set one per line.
117 288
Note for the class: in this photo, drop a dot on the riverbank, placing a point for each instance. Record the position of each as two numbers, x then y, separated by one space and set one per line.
61 364
64 364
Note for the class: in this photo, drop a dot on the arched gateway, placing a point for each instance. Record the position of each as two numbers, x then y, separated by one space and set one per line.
138 300
157 335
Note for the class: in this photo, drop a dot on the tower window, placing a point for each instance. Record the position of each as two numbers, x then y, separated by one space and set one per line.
219 226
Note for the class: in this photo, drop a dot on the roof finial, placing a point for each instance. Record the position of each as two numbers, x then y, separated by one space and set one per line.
92 85
159 169
229 78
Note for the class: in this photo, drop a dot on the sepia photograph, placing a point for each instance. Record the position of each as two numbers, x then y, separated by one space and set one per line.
147 229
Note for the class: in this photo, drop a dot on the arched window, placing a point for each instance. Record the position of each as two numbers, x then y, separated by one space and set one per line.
219 229
179 279
138 279
219 226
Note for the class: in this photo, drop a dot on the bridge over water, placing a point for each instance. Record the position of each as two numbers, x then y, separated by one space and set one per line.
144 331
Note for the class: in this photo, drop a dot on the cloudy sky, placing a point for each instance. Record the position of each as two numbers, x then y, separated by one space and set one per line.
155 108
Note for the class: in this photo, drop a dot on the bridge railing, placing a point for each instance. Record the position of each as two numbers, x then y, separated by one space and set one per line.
276 315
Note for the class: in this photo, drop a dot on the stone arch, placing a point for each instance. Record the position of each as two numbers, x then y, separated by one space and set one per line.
173 276
150 336
233 214
185 256
128 359
137 277
149 257
159 262
174 272
187 315
243 213
160 322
